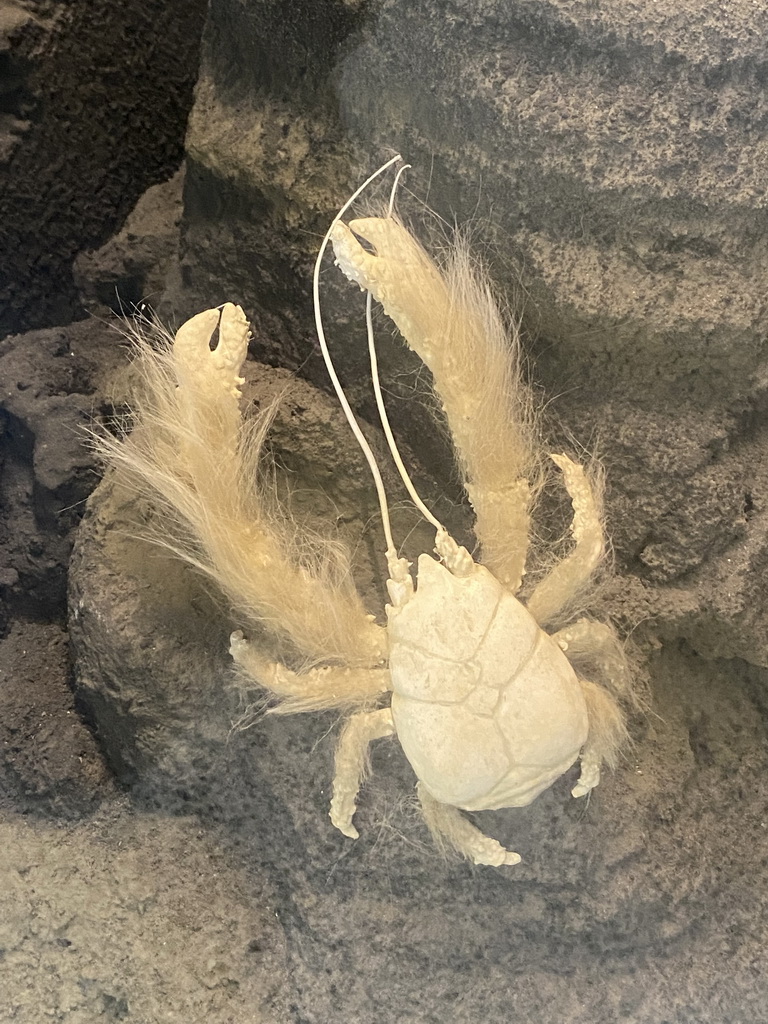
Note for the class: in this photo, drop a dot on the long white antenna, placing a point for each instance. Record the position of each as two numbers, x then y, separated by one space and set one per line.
366 448
400 172
394 450
386 425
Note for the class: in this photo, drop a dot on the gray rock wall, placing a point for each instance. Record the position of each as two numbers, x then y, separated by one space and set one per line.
93 104
609 158
610 163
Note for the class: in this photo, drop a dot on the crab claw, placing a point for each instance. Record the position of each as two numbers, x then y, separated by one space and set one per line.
398 274
208 352
210 368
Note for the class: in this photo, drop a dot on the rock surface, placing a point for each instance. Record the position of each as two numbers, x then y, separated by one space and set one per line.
93 106
132 269
52 384
133 916
610 160
629 888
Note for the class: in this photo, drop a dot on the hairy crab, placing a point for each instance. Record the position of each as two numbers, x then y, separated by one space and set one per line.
489 708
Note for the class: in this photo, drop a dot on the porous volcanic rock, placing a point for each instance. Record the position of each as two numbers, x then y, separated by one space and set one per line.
645 881
93 108
609 160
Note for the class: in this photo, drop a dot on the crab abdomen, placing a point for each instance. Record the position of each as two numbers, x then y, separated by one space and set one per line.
486 706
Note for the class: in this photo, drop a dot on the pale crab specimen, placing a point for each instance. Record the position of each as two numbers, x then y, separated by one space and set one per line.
488 707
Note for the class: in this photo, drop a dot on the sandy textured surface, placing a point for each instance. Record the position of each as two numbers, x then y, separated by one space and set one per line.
135 917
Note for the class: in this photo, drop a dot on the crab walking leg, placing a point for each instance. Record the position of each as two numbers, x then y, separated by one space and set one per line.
352 762
597 644
565 580
326 686
448 823
607 735
453 324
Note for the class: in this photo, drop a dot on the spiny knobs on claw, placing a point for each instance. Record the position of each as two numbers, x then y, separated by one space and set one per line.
196 358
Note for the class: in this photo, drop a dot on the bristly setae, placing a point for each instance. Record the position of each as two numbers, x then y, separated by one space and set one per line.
489 708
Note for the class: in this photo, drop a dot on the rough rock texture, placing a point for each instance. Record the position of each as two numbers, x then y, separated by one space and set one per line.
635 906
611 161
52 384
50 761
92 111
134 267
133 917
